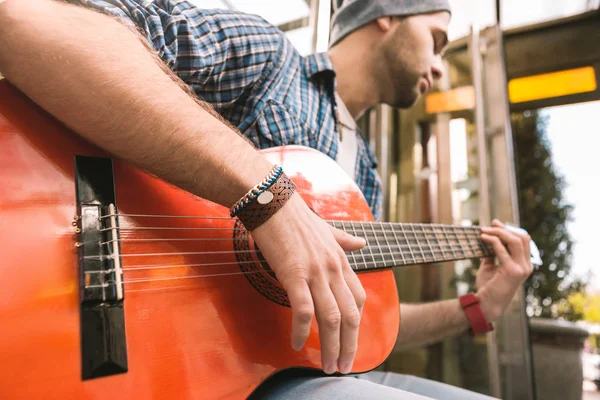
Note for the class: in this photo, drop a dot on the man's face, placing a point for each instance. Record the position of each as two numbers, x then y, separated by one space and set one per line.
410 57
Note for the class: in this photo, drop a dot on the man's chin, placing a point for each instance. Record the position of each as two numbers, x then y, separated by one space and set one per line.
406 102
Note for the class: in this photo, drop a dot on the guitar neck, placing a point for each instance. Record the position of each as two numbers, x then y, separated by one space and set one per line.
398 244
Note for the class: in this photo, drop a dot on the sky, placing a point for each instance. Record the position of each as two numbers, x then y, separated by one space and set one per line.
574 133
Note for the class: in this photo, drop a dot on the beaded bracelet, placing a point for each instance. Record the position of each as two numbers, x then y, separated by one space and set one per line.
256 191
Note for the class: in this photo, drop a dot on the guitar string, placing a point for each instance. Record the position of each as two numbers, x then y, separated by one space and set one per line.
169 278
356 266
415 235
384 224
377 251
232 219
204 275
457 240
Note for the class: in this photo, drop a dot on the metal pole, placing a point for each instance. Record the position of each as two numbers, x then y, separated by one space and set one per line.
498 11
484 198
313 22
516 357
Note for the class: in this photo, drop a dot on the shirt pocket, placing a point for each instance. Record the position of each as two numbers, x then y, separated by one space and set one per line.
277 125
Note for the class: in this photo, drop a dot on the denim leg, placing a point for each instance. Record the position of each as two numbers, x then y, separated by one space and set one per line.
332 388
424 387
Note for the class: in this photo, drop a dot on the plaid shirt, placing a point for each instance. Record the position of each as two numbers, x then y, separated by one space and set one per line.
251 74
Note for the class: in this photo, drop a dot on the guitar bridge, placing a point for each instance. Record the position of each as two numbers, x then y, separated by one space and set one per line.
103 344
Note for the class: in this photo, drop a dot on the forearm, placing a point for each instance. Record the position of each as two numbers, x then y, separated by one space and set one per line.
97 77
427 323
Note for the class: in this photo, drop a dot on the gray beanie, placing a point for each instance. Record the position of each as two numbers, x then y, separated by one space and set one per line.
350 15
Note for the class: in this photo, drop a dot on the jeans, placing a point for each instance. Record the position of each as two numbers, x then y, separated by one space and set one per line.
373 385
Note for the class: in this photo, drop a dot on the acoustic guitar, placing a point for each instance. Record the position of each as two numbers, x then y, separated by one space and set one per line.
117 285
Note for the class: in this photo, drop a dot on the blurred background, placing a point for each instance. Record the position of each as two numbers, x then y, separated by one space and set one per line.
511 132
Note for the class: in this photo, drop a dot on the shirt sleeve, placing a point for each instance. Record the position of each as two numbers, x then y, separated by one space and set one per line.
221 54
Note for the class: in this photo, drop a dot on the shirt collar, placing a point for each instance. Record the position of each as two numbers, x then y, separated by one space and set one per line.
316 64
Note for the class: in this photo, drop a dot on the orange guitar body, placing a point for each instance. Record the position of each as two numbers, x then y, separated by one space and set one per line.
188 336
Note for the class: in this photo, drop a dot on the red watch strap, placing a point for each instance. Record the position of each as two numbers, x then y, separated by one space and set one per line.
479 324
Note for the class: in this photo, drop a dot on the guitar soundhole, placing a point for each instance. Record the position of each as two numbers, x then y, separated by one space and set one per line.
259 274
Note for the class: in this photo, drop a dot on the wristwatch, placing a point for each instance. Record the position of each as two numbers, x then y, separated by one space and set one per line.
479 324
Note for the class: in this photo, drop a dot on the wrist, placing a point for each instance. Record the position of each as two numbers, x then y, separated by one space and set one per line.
246 180
489 305
264 200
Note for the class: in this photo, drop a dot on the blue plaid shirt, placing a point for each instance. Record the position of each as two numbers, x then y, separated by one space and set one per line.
251 74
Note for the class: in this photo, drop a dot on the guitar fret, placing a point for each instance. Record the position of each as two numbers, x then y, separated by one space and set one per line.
378 245
388 243
361 250
439 241
417 241
472 239
399 245
424 230
460 242
482 247
449 242
412 255
348 253
362 225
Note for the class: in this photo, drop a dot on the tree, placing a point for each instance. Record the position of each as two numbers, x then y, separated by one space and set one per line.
544 214
587 305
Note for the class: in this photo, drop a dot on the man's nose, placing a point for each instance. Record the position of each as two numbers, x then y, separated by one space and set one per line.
437 68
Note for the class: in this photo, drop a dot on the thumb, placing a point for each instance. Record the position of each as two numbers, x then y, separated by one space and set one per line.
346 241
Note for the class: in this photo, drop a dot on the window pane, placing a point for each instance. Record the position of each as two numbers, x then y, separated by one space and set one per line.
517 13
210 4
276 12
301 39
470 12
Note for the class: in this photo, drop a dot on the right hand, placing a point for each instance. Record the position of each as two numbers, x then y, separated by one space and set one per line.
307 255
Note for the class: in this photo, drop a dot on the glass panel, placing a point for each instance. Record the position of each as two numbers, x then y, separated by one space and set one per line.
470 12
573 146
554 149
276 12
301 39
209 4
517 13
514 13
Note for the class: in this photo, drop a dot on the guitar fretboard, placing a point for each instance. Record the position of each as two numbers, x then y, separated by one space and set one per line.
397 244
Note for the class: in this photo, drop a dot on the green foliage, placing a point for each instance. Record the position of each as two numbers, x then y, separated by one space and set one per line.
584 304
544 214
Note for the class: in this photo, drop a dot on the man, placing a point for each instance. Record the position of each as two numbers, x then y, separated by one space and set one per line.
97 75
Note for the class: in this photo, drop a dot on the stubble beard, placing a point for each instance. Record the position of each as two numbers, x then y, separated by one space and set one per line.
402 90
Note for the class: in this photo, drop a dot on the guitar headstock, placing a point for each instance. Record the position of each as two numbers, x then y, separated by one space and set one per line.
534 252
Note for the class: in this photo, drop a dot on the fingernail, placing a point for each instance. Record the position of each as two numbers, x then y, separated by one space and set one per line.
485 229
345 367
297 346
330 368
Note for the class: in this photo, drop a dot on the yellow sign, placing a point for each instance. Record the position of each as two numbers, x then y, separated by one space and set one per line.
462 98
554 84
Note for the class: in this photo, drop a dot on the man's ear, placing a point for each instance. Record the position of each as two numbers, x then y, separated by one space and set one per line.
384 23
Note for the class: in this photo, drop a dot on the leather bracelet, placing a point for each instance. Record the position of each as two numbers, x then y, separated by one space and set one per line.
479 324
267 203
256 190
